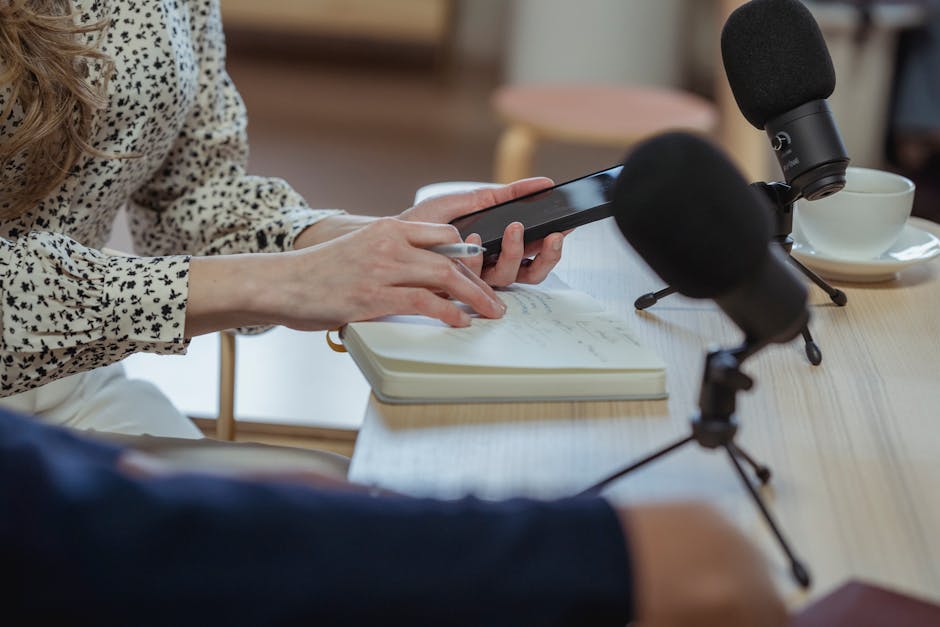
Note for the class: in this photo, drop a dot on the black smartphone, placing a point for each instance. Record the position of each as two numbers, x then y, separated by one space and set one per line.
559 208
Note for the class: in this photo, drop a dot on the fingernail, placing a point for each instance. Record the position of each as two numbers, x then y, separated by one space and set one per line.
464 319
557 244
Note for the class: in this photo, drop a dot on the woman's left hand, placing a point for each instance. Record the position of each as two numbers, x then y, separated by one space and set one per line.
517 262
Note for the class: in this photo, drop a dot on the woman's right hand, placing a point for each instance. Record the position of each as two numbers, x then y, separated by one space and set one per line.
379 269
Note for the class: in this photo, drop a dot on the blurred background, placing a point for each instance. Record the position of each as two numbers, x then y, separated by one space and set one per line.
357 103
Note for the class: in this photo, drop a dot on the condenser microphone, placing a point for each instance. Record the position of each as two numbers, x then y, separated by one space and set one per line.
781 74
690 215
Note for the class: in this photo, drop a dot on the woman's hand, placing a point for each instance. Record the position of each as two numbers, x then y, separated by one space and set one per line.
518 262
381 268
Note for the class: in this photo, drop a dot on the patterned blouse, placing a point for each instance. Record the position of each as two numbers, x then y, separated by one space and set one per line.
68 307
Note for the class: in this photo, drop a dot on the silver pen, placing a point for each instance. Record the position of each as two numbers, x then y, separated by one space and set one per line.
455 251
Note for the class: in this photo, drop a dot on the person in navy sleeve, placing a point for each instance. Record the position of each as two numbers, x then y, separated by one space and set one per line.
97 534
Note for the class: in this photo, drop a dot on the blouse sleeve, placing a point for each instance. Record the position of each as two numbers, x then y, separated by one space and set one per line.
68 308
201 201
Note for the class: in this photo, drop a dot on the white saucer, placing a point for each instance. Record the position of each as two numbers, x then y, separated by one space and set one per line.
914 246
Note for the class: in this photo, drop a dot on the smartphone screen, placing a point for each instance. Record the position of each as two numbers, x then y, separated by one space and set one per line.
564 206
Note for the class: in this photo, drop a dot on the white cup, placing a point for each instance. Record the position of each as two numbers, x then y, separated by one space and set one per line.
862 220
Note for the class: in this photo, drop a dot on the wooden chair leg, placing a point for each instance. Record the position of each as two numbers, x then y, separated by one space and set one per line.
225 423
514 154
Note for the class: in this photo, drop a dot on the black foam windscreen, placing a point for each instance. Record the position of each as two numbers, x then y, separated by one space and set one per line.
776 59
685 208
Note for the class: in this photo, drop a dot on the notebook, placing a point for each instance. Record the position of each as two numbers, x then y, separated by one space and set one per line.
554 343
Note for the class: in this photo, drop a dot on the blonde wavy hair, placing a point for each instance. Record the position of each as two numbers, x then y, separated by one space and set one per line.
44 77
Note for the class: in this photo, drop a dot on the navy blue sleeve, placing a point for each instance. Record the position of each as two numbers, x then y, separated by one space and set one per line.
86 544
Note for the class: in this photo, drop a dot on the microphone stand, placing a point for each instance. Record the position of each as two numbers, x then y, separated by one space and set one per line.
782 197
715 426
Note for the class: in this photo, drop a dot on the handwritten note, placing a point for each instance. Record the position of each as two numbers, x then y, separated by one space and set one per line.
542 329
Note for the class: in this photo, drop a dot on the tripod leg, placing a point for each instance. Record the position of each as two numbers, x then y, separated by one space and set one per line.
648 300
796 566
597 487
760 470
811 347
837 296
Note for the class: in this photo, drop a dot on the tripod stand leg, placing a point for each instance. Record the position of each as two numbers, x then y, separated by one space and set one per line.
648 300
811 347
796 566
761 471
597 487
836 295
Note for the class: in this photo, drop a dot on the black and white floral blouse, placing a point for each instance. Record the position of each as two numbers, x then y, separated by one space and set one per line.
68 307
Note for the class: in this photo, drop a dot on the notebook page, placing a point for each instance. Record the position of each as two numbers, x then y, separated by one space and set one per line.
542 328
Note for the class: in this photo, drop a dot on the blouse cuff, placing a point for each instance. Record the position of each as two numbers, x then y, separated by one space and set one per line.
282 232
279 234
73 295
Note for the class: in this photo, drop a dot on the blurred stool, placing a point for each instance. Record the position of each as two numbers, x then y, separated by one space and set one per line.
599 115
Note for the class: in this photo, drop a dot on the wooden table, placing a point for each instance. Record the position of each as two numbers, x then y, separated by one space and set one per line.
854 443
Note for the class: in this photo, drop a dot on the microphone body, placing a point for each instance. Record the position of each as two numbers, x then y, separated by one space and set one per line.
809 149
771 307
